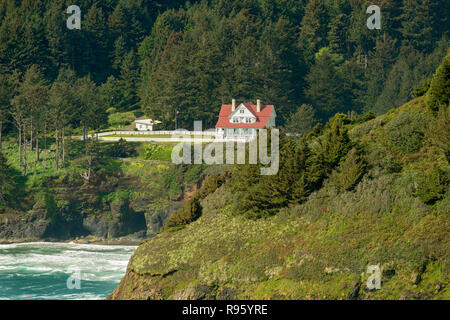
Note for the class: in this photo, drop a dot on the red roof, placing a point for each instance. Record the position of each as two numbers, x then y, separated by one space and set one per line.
262 117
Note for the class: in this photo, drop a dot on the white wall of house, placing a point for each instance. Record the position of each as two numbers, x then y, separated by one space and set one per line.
242 115
144 126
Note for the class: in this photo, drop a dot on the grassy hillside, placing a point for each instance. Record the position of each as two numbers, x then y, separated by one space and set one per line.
395 215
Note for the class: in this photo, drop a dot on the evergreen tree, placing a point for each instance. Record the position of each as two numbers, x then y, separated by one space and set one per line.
313 31
302 121
324 83
418 23
439 93
349 173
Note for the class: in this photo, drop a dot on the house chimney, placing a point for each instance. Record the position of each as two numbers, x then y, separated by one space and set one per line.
258 105
233 104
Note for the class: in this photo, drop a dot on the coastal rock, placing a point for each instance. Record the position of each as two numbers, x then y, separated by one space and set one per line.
32 226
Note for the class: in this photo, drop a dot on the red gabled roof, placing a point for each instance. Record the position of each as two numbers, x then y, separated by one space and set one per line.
262 117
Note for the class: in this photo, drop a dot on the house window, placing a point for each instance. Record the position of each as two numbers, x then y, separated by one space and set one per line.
242 110
248 120
235 120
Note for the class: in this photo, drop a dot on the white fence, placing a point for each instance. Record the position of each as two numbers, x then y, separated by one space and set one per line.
149 133
177 136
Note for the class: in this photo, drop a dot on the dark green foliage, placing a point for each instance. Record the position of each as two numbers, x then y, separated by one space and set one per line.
439 94
190 212
313 32
335 142
302 121
349 172
419 25
439 132
432 185
324 83
212 183
122 149
8 183
421 89
410 70
406 131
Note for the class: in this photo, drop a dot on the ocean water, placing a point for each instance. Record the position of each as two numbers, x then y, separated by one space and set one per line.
61 271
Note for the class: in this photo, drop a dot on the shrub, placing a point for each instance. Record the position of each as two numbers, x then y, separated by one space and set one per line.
432 185
121 149
380 159
349 173
190 212
406 131
212 183
439 132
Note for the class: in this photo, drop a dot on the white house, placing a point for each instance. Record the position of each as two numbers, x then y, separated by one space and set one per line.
146 124
245 119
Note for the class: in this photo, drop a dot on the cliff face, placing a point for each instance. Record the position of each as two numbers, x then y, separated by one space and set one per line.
121 204
39 224
320 249
292 256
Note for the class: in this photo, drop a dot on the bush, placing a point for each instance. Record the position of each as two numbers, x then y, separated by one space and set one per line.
121 149
406 131
349 173
212 183
190 212
432 185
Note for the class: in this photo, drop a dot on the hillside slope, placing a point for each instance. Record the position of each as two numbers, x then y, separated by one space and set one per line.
396 216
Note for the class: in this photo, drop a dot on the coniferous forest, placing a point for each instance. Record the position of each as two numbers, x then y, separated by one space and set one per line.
364 142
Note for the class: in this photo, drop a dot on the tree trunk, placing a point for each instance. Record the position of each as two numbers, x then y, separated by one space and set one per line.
37 148
63 146
45 145
1 128
31 135
24 152
20 145
57 149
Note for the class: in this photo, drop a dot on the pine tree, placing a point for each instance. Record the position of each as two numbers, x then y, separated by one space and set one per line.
349 173
129 75
302 121
438 95
313 31
418 22
324 85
